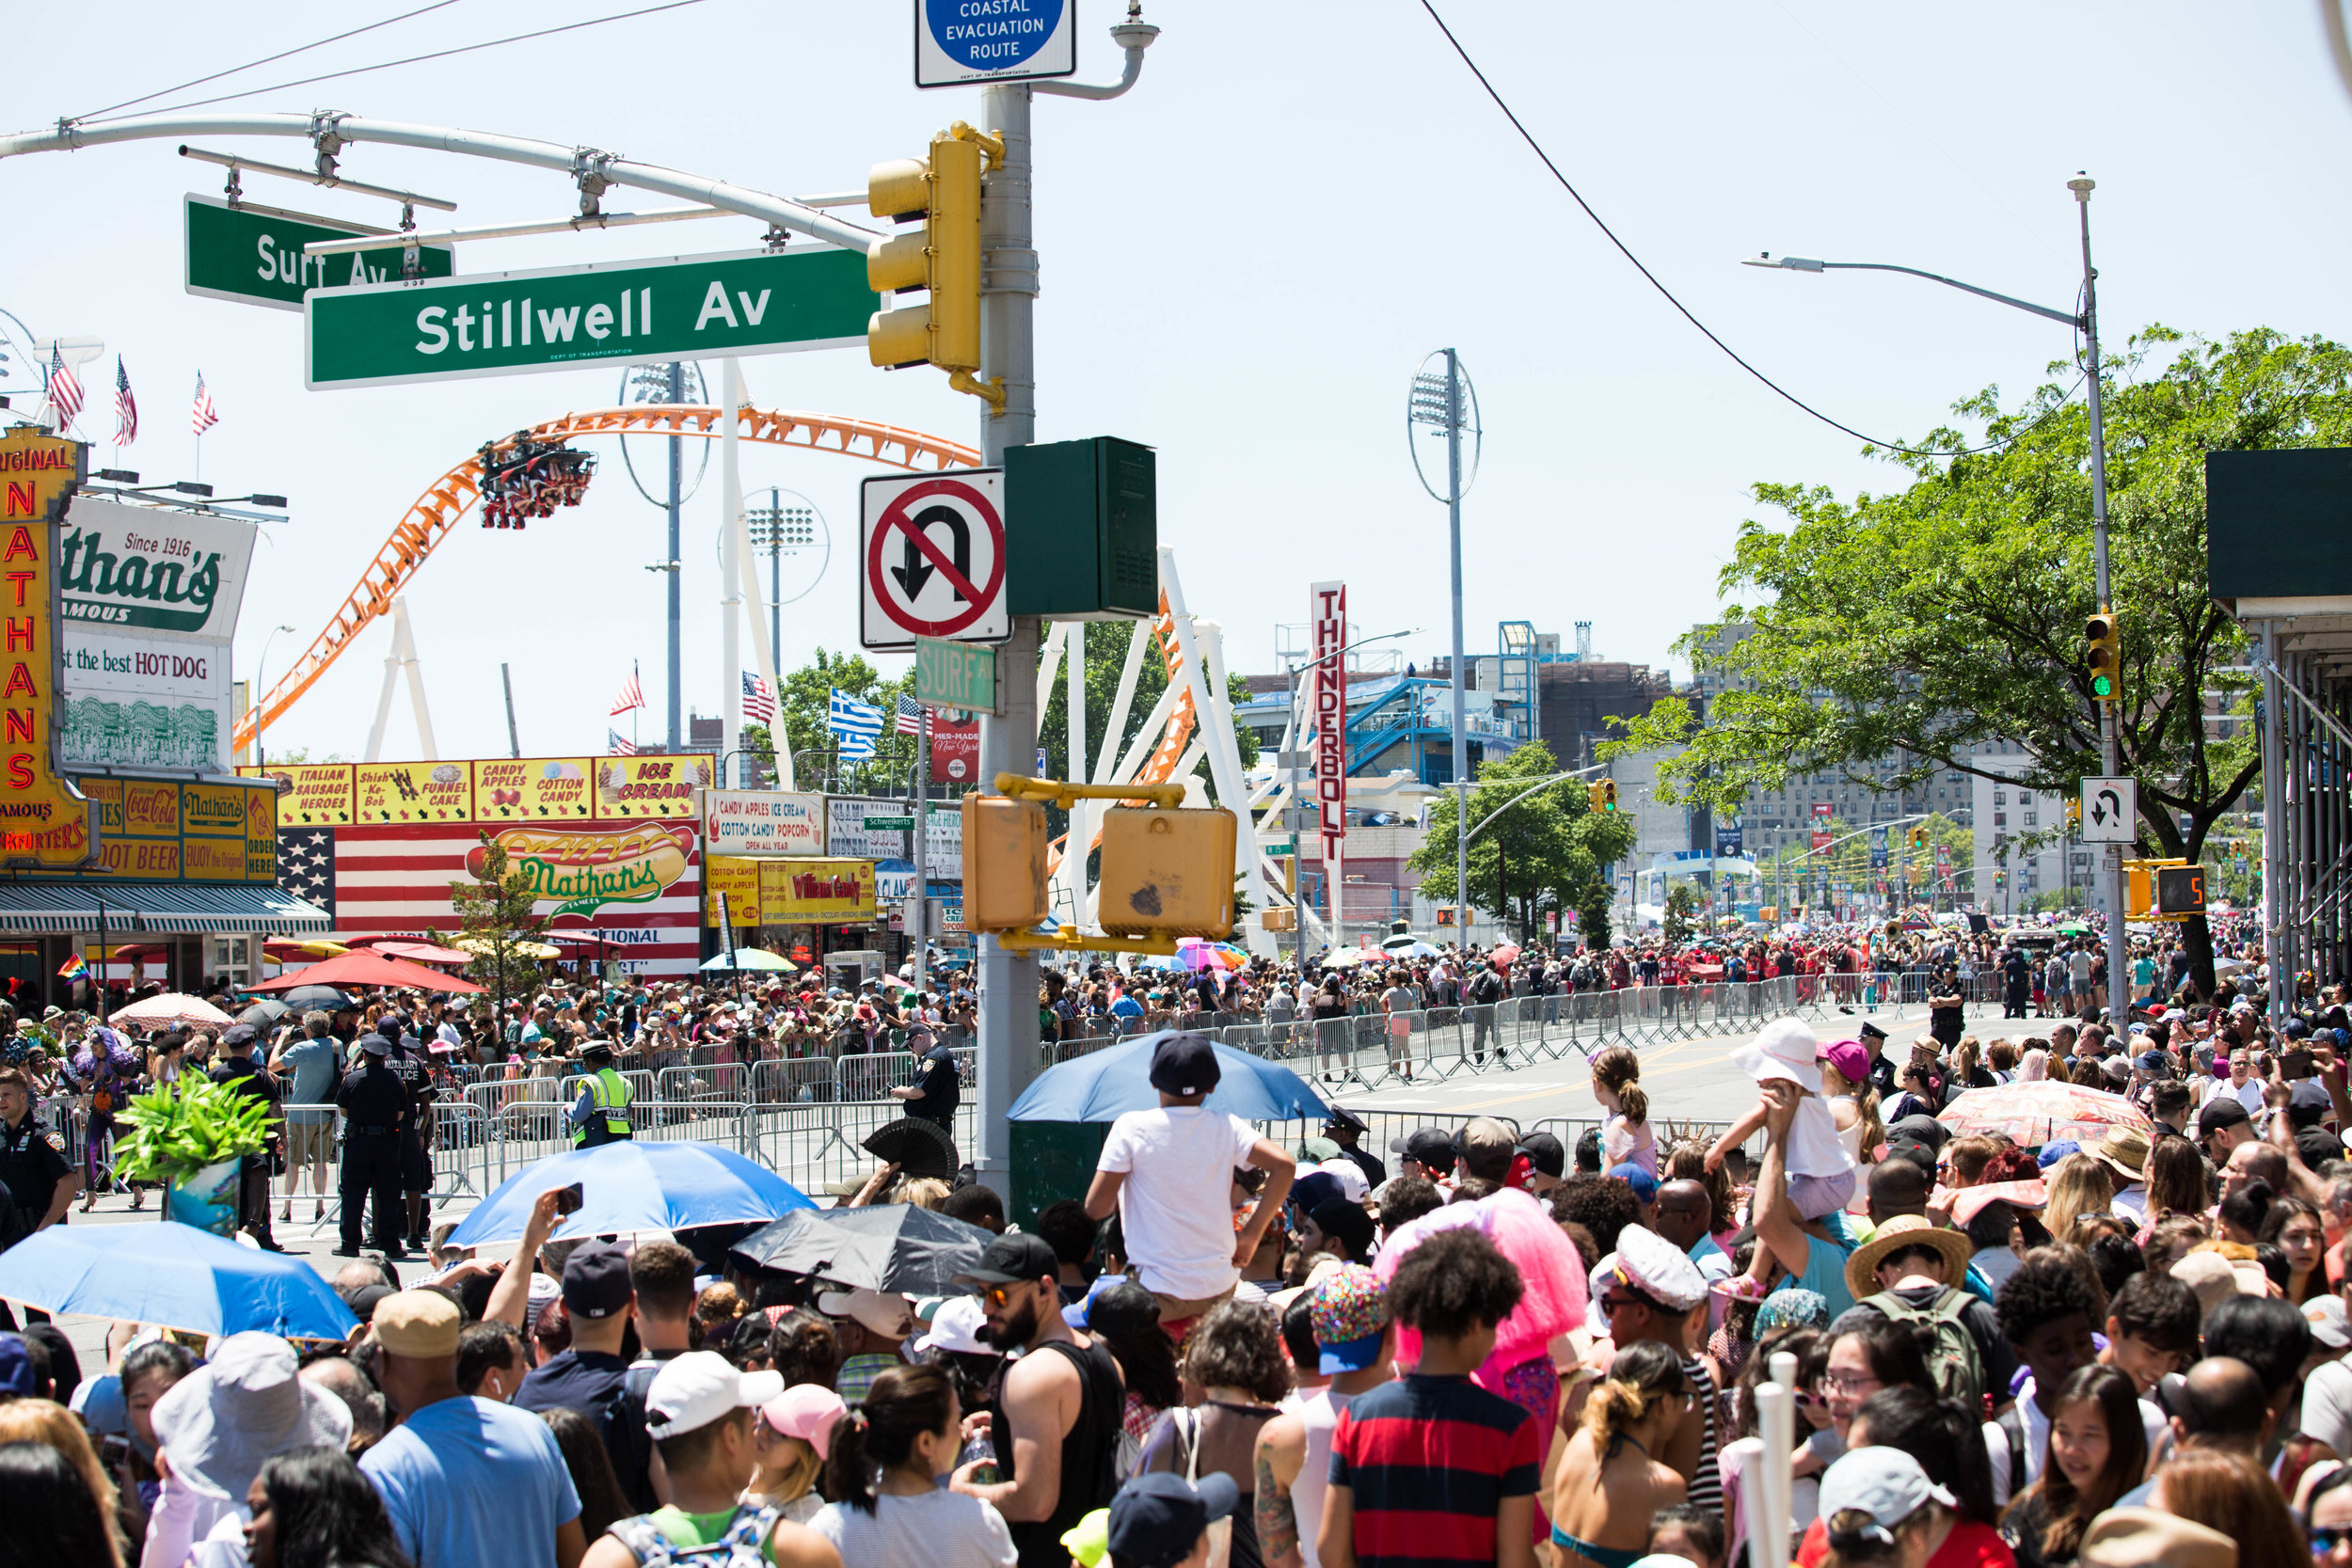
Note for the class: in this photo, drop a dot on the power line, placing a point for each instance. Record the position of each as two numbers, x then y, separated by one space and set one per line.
266 59
437 55
1683 310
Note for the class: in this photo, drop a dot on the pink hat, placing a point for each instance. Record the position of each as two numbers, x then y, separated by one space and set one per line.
1851 1062
806 1411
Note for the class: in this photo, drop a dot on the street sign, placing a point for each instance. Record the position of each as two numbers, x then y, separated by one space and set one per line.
955 675
253 254
2110 810
957 41
932 559
1280 847
890 824
561 318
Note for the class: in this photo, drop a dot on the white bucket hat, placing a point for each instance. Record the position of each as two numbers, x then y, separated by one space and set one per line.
223 1419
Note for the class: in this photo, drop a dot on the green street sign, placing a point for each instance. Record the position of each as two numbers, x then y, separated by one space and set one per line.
1281 846
888 824
253 254
955 675
561 318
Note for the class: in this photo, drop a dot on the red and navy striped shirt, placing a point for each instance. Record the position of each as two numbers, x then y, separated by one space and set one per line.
1428 1462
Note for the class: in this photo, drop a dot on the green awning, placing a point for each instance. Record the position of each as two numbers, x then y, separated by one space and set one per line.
62 909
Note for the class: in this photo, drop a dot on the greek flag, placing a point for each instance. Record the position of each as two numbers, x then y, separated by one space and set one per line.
857 724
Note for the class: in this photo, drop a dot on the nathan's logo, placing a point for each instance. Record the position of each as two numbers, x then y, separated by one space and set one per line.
163 584
585 870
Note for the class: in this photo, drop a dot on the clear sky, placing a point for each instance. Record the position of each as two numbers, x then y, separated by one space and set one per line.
1243 261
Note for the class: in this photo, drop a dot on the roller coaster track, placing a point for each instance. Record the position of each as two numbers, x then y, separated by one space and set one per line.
446 501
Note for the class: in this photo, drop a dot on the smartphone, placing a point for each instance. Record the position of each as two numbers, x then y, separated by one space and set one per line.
2295 1064
569 1199
114 1451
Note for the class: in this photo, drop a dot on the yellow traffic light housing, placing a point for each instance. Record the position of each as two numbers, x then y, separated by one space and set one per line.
1004 864
943 193
1166 873
1920 838
1601 795
2103 651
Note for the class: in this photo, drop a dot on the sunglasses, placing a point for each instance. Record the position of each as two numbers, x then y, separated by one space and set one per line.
2325 1541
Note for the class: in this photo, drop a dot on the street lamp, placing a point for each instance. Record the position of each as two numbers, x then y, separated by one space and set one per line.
258 758
2087 323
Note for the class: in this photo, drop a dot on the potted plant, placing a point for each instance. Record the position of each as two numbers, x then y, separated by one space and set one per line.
193 1137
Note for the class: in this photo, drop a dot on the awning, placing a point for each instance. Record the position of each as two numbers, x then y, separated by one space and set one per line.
65 908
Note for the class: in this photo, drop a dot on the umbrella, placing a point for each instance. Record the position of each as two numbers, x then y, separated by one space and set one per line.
916 1146
175 1276
1415 948
325 997
362 967
172 1009
1204 956
892 1247
631 1187
2042 1112
537 950
750 957
282 949
1116 1079
263 1013
1348 958
423 953
1507 953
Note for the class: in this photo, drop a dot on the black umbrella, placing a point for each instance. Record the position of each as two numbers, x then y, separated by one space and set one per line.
263 1013
325 998
916 1146
895 1247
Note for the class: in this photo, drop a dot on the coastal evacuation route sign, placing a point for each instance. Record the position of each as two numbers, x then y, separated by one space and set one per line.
932 559
961 41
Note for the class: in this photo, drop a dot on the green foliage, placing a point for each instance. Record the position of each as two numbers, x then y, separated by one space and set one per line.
1592 916
1682 903
806 693
496 916
175 1133
1545 852
1913 625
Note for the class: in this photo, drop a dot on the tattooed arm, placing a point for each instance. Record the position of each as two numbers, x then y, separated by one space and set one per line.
1282 1450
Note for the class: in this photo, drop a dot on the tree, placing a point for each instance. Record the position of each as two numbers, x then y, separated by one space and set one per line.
1592 916
1915 624
806 699
1682 902
1545 851
497 915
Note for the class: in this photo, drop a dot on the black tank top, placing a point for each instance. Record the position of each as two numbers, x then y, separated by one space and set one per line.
1089 1451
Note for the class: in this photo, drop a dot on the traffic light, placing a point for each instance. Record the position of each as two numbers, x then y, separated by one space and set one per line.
2103 651
2180 891
941 192
1919 837
1165 872
2000 879
2074 812
1004 864
1601 795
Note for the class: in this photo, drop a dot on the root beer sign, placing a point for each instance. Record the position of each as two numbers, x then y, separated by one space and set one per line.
45 823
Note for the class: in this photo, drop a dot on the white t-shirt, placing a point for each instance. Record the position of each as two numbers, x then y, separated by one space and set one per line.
2249 1094
1179 1161
934 1529
2327 1406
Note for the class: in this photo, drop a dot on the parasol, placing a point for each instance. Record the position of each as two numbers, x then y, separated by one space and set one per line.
172 1010
2042 1111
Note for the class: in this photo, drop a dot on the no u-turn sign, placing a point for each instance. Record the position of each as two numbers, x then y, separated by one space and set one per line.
932 559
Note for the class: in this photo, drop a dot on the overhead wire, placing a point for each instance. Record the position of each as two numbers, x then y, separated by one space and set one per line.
268 59
1684 310
436 55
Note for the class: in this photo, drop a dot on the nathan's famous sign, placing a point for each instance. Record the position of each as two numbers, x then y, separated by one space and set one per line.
45 823
584 869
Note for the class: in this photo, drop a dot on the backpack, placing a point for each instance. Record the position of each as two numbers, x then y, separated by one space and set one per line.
744 1546
1952 1354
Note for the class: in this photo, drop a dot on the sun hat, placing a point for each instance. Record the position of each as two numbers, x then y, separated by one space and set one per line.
221 1421
806 1411
692 1390
1349 1312
2145 1538
1783 1049
1968 1202
2124 1150
1902 1233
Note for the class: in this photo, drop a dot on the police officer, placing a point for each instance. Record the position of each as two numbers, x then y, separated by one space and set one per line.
40 1180
374 1104
601 1114
409 1062
238 1067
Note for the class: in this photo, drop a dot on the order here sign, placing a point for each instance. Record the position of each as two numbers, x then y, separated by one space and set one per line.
561 318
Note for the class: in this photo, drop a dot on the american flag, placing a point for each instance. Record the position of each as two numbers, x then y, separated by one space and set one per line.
631 695
204 416
126 407
305 864
616 744
910 717
760 702
65 393
857 724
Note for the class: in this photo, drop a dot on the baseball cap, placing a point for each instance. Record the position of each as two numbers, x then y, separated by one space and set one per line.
1013 1258
1486 1147
1158 1516
2151 1061
1546 1154
2053 1153
1313 1151
1314 1188
1183 1063
890 1316
1851 1062
16 1366
1088 1539
1644 1185
1354 1185
2220 1113
419 1324
1886 1484
2330 1325
692 1390
1428 1145
1349 1312
806 1411
595 1280
955 1327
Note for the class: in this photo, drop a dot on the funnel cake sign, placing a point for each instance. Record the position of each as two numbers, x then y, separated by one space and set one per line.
584 869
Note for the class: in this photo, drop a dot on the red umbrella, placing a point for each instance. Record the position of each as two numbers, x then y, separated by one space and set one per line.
422 952
363 968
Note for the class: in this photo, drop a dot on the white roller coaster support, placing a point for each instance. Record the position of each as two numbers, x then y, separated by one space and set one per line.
331 131
1137 641
401 659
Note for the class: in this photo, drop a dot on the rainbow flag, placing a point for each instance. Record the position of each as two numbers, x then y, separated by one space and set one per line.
72 969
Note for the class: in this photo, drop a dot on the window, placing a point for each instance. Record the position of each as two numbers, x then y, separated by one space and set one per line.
2029 818
2000 819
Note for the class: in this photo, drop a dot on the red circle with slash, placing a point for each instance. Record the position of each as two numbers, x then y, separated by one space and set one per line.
898 518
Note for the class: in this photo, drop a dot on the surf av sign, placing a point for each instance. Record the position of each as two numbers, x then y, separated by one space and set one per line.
561 318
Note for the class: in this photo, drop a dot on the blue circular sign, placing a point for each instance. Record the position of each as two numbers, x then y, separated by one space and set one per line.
991 35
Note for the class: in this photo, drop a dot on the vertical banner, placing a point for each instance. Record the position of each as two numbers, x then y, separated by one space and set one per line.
1328 706
46 823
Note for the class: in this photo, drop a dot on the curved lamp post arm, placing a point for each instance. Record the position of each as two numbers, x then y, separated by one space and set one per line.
1806 263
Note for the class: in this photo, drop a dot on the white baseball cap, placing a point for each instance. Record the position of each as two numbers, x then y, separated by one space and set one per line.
700 1387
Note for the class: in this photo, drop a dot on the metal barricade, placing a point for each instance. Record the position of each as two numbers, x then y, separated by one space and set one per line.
793 1079
714 1080
871 1075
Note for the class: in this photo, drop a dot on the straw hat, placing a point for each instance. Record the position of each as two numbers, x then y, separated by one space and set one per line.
2124 1150
1898 1234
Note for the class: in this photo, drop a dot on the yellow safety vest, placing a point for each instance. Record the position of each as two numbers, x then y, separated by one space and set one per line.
608 1095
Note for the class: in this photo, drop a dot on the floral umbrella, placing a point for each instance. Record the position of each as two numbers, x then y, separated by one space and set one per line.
172 1008
2042 1112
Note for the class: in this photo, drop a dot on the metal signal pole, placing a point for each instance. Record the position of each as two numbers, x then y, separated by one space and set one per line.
677 722
2118 971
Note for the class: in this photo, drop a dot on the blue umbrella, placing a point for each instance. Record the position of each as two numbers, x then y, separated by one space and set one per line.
173 1275
1098 1086
629 1187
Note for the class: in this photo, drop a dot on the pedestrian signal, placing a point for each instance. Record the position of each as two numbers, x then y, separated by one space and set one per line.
1004 864
941 192
1167 872
2103 651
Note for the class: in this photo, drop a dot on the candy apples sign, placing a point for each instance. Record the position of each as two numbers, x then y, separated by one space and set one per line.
584 869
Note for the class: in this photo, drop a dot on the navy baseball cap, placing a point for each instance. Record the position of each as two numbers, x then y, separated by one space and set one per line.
1644 1185
2152 1061
1183 1063
16 1366
595 1280
1158 1517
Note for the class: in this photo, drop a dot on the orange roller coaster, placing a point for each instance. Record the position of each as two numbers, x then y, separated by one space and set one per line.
447 500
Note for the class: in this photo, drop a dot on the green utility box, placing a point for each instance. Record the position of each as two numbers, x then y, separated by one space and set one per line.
1081 533
1051 1161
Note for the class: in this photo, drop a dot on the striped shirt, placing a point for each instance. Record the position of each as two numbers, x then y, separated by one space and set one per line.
1428 1462
1706 1486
